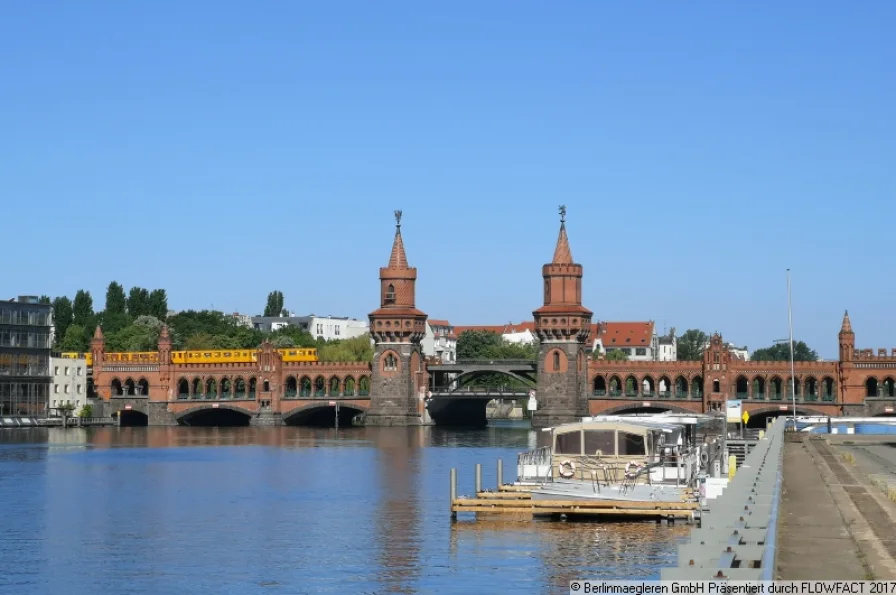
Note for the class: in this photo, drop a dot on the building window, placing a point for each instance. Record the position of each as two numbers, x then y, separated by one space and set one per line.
66 389
66 370
80 370
556 361
640 351
390 295
56 388
716 358
390 363
55 370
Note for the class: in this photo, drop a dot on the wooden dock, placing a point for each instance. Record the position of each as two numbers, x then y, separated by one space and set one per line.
516 500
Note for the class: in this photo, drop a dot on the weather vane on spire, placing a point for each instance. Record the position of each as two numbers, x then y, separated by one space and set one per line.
562 213
398 218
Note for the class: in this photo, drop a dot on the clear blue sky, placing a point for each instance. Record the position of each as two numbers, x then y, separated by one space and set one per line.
221 150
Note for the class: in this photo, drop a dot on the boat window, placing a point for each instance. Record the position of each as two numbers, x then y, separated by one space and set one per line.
569 443
631 445
600 442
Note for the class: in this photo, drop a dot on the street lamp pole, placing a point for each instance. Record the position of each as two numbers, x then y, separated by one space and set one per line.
792 375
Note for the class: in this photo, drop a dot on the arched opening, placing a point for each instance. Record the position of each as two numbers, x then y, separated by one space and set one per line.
631 387
253 387
888 388
599 386
716 386
91 389
811 389
266 386
183 389
129 387
334 387
681 388
390 363
827 389
323 416
647 386
664 387
211 389
116 387
759 388
389 297
871 387
364 386
615 386
320 387
697 387
556 361
143 387
239 389
292 387
197 388
348 387
742 387
215 417
226 388
305 387
775 387
884 415
128 418
760 419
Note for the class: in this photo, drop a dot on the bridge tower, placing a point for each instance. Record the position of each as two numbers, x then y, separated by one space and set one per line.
563 326
397 328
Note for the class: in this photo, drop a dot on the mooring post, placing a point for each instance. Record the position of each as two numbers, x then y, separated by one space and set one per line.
500 474
453 494
478 478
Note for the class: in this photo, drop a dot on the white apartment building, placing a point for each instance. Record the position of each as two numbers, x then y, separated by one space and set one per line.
440 341
68 385
635 339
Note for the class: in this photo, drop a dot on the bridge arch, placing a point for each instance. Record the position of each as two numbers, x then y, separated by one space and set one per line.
759 416
215 415
323 415
599 385
132 418
464 378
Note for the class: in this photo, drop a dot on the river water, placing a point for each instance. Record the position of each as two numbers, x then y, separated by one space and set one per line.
286 510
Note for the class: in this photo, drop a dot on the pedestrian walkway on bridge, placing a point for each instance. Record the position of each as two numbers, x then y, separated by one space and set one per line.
835 523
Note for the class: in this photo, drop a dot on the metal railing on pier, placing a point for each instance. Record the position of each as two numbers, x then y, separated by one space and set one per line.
737 537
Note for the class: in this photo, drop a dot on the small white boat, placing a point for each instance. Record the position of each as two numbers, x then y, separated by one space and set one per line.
653 458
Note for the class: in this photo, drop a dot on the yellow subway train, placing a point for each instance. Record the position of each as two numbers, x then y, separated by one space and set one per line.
204 356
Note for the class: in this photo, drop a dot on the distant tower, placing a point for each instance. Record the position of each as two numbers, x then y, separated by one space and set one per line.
397 327
847 339
563 326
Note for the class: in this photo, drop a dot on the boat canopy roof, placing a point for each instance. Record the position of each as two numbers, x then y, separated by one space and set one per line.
625 424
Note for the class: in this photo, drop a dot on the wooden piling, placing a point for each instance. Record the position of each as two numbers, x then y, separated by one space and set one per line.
478 478
500 473
453 492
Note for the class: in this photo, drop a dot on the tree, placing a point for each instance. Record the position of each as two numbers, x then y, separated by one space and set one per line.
116 303
143 335
355 349
82 310
616 355
158 304
138 302
476 344
274 306
86 410
76 339
690 345
62 316
780 352
297 336
44 299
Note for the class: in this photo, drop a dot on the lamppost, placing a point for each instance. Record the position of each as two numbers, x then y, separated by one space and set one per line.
790 341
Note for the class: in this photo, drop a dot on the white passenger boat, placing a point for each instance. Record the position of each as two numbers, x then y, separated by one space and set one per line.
633 458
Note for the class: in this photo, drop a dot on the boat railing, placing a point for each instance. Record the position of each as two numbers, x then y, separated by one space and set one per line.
535 465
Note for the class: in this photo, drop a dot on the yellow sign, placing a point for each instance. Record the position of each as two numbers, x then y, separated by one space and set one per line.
745 417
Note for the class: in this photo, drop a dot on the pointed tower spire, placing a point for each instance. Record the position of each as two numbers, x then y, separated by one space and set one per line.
562 253
846 327
398 260
98 333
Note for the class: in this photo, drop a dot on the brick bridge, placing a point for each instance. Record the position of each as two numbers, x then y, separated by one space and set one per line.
392 389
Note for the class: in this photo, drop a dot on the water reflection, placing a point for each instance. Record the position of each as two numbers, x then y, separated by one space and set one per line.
361 510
